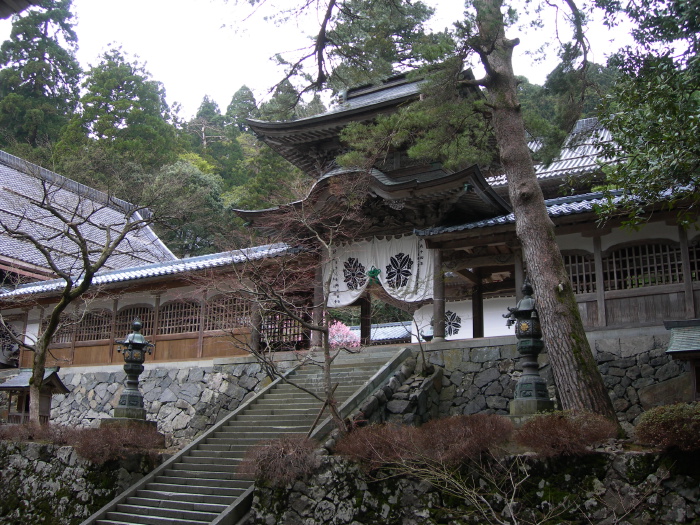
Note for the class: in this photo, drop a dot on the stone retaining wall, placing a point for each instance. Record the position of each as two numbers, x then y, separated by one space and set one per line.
183 401
52 485
613 487
635 369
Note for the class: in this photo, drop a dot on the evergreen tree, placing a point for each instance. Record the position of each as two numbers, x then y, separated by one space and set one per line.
125 112
214 139
243 106
198 230
39 74
654 110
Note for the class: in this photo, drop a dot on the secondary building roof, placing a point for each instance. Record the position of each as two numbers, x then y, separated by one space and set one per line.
559 207
20 382
23 188
164 269
11 7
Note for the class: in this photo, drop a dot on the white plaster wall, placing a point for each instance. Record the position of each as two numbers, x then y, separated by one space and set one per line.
494 323
654 230
575 241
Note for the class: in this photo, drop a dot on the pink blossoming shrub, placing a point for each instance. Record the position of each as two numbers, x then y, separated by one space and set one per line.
339 335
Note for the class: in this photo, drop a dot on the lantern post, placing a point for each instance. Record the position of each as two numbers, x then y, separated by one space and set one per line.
134 348
531 395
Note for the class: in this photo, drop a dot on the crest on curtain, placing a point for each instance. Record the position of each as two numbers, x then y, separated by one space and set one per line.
402 266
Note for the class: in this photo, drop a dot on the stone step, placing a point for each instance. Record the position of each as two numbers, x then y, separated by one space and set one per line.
184 497
274 410
204 481
161 512
261 432
177 504
181 479
220 447
215 455
252 419
232 490
294 394
136 519
308 402
212 460
242 441
204 450
196 473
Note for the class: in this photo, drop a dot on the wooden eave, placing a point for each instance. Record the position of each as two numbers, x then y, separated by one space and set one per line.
296 140
465 193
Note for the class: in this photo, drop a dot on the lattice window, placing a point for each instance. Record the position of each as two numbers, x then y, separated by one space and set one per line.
283 333
94 326
581 270
66 329
126 317
642 265
179 317
694 254
226 312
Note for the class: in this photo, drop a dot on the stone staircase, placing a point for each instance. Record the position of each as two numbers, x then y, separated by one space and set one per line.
201 484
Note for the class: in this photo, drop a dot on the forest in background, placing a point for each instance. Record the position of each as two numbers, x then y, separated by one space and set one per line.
111 127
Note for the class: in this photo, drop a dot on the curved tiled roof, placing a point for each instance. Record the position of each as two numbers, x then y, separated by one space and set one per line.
177 267
580 155
23 185
558 207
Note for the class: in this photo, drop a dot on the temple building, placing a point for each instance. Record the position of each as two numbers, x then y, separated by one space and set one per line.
438 244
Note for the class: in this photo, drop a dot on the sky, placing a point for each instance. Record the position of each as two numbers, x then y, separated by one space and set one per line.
216 48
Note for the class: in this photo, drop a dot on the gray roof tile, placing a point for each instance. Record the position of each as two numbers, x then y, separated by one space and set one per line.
180 266
558 207
22 184
387 331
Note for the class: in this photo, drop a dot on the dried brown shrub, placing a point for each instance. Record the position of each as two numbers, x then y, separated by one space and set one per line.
94 444
671 426
280 461
111 442
451 440
448 441
374 446
565 433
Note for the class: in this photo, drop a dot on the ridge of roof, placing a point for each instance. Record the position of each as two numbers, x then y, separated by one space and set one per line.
557 207
34 170
178 266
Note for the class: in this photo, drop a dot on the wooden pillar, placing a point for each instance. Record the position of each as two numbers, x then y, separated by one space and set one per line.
156 326
255 326
318 308
365 320
73 336
438 297
113 329
25 324
200 332
478 305
519 274
599 281
687 275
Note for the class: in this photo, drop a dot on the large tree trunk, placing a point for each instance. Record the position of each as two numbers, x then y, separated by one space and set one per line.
578 380
35 383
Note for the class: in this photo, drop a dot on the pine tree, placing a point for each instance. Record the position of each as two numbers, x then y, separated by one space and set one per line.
39 75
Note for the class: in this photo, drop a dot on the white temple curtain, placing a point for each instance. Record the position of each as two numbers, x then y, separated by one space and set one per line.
404 268
347 271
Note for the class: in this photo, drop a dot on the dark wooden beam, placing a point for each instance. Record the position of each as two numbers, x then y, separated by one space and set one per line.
365 320
478 306
687 275
438 297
